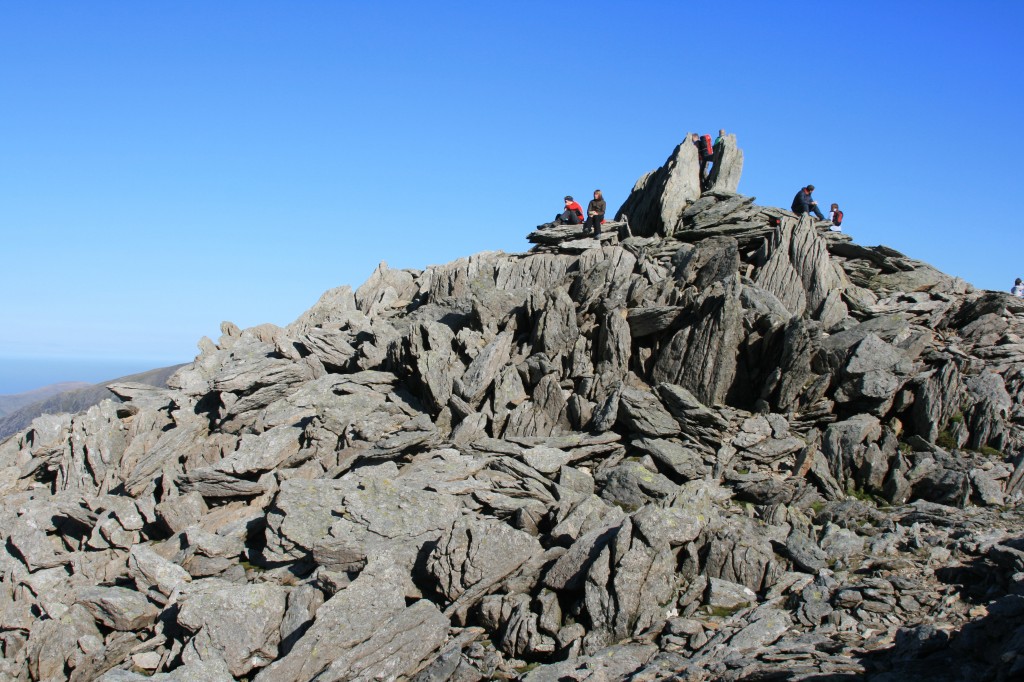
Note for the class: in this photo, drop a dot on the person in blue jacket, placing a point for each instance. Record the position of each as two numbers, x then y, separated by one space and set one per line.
803 202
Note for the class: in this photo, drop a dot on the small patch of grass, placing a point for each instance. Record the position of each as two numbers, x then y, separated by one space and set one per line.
862 495
991 452
816 507
725 611
956 417
945 440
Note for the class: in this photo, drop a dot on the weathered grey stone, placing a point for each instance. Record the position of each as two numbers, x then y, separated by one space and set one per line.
214 670
386 288
652 320
701 356
257 454
150 570
482 372
713 260
673 459
240 624
987 488
211 483
990 409
474 553
617 662
845 443
641 411
767 626
722 594
517 627
118 608
796 268
738 552
806 555
568 571
380 514
727 166
556 331
840 543
303 603
346 620
630 485
658 199
395 649
628 586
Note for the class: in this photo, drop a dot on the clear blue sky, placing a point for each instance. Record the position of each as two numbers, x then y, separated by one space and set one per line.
168 165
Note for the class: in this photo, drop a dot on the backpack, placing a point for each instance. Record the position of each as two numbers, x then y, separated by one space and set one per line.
837 220
705 146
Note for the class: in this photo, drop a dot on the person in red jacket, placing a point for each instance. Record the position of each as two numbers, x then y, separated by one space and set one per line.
572 215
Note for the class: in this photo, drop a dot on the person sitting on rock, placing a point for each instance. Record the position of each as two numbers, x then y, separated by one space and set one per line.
835 216
1018 288
572 215
595 214
803 202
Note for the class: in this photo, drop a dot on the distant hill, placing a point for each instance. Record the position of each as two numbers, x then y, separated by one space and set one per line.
80 397
11 403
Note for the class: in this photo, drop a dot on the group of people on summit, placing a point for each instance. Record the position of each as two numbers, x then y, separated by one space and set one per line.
573 214
708 154
803 203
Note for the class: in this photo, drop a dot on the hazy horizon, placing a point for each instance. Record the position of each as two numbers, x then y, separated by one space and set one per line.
22 374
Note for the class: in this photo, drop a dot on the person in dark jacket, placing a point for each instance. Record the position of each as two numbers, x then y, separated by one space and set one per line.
705 156
572 215
803 202
595 213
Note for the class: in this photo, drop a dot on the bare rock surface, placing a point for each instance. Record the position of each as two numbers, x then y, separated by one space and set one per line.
718 443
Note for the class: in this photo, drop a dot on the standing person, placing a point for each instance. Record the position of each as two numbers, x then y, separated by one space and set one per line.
572 215
836 216
1018 288
804 203
705 154
720 140
595 213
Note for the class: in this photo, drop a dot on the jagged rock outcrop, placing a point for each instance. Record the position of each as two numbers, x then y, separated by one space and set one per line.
719 443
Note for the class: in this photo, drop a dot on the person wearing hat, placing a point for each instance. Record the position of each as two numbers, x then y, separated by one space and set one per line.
572 215
595 214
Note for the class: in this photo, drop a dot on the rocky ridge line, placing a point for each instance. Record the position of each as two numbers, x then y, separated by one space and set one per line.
722 443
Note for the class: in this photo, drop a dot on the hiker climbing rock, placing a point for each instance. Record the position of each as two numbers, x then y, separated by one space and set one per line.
720 140
706 154
803 202
595 213
836 216
1018 288
718 154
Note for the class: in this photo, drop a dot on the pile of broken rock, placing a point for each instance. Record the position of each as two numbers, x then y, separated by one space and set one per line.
721 444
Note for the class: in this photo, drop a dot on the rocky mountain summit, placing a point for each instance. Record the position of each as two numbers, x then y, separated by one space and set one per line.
721 443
